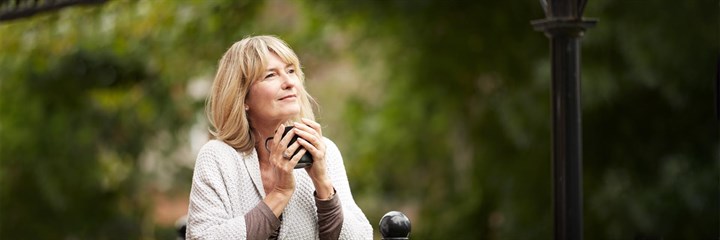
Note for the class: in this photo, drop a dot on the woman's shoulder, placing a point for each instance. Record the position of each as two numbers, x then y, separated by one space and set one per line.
217 151
332 150
216 146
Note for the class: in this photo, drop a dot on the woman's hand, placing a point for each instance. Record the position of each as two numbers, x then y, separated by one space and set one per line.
311 139
284 162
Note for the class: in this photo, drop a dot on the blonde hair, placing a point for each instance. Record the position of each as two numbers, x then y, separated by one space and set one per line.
243 64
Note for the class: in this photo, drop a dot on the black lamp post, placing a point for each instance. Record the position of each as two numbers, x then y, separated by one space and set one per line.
564 26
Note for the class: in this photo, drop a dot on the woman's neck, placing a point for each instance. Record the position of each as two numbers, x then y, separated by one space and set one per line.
264 131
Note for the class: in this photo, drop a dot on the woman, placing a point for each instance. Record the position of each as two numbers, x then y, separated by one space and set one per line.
244 183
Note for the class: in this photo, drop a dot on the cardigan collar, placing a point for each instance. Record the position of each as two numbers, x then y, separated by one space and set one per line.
252 164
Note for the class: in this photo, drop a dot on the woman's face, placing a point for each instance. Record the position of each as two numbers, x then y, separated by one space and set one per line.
274 97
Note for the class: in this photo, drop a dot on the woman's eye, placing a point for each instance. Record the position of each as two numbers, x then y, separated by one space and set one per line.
269 75
292 70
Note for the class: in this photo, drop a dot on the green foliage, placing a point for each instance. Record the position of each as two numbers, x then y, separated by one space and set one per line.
462 132
447 118
72 134
651 146
455 131
85 92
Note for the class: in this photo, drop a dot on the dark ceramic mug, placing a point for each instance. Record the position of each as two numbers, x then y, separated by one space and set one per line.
306 160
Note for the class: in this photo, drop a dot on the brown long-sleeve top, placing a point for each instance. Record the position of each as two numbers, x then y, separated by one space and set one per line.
261 223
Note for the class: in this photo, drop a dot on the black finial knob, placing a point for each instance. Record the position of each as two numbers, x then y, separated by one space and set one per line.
181 227
395 226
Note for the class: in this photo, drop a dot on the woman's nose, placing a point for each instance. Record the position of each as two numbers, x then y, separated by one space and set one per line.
288 81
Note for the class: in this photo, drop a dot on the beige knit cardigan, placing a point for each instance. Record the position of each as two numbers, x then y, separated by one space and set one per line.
227 184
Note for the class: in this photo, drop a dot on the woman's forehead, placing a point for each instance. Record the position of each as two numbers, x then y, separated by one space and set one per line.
276 61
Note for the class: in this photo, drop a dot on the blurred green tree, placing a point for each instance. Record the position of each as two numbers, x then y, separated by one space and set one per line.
461 133
84 93
455 131
72 136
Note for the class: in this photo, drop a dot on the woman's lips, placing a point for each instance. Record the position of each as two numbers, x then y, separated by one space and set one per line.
288 97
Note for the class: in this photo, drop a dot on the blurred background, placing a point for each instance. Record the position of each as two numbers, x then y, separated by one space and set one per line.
442 111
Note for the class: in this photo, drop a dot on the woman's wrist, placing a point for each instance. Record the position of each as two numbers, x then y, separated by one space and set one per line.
324 189
277 201
332 195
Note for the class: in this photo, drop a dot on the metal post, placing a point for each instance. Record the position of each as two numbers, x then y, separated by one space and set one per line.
564 27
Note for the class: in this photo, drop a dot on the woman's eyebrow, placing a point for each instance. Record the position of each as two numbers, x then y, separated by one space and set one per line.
274 69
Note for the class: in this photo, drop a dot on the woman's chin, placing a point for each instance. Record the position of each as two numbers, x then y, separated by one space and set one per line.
291 114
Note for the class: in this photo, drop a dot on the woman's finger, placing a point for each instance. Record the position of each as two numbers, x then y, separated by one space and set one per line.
315 140
306 128
309 147
313 124
311 138
291 149
285 141
295 159
278 135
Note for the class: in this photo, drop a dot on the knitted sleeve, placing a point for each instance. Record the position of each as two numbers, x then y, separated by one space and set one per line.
208 217
355 224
